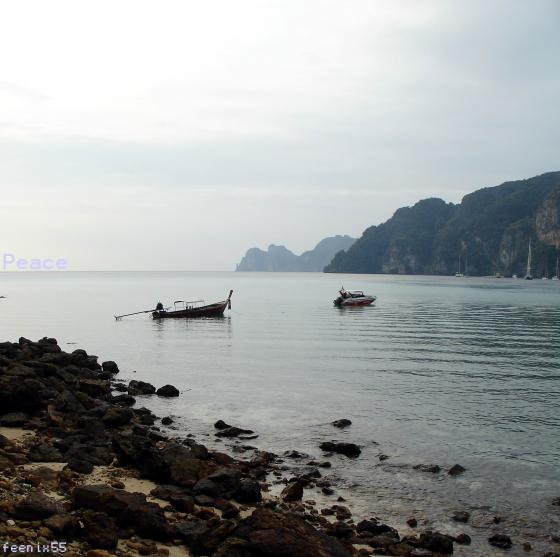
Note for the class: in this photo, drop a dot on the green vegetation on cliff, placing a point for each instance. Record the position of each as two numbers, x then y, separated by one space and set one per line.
490 230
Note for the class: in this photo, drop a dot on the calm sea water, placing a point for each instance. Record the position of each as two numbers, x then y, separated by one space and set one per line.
441 370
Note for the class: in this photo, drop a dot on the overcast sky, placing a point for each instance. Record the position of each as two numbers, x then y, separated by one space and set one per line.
176 134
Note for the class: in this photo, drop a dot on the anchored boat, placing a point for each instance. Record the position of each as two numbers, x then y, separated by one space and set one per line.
190 309
353 298
184 309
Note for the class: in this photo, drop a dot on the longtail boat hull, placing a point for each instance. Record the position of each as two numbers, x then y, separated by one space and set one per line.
212 310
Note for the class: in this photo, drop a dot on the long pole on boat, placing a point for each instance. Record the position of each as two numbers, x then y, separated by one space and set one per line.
117 317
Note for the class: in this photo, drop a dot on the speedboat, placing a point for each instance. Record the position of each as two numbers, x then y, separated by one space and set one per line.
353 298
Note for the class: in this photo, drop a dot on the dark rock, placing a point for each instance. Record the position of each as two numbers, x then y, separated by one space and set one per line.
456 470
167 391
100 530
81 466
347 449
13 419
383 457
341 423
375 528
271 534
25 395
117 416
130 510
98 455
431 468
436 542
248 491
556 502
292 492
110 366
123 400
463 539
412 522
167 420
36 507
500 540
42 452
340 530
63 524
229 510
233 432
220 424
94 388
461 516
136 388
145 416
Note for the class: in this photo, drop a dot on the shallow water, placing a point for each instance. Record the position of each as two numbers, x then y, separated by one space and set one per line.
441 370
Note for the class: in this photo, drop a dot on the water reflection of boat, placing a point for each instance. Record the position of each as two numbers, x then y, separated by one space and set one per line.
529 276
353 298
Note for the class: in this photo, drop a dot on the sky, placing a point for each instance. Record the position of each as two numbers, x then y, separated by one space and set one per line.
175 135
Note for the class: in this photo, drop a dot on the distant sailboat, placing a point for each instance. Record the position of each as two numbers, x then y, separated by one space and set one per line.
557 275
545 276
458 273
529 276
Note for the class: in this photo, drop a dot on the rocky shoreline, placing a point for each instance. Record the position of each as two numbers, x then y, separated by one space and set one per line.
84 471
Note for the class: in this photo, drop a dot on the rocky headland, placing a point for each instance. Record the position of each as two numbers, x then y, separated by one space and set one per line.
84 470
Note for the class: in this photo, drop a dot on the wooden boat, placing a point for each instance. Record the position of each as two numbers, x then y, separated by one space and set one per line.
190 310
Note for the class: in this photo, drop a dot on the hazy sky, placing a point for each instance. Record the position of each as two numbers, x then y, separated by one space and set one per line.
176 134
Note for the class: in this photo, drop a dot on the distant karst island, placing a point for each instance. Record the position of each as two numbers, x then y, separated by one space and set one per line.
281 259
487 234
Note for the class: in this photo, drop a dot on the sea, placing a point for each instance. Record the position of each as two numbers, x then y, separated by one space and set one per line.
441 370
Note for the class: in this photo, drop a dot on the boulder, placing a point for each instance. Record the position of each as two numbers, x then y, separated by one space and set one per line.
341 423
271 534
36 507
375 528
462 539
123 400
461 516
136 388
42 452
167 420
347 449
292 492
500 540
100 530
431 468
436 542
129 510
180 498
80 466
110 366
167 391
117 416
63 524
248 491
233 432
220 424
456 470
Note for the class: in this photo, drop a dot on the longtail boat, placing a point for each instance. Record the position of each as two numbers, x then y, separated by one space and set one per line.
190 309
